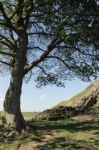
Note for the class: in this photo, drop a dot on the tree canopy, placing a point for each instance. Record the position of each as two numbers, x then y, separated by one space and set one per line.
62 38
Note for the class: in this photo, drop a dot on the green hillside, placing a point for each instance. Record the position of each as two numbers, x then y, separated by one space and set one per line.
74 100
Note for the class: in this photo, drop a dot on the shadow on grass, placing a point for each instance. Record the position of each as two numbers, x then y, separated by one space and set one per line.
74 126
39 129
24 137
61 143
1 127
66 142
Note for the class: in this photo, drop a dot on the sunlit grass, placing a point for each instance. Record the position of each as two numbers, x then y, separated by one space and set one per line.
27 115
70 134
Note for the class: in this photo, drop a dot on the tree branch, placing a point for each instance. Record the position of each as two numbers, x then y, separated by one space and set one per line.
29 12
60 59
36 47
6 53
3 62
8 21
42 70
41 33
6 38
4 43
51 46
84 53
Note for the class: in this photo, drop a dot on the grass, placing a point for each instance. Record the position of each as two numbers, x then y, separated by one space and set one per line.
27 115
69 134
1 114
96 105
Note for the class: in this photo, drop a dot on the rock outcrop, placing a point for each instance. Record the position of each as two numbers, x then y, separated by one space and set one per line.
89 99
58 113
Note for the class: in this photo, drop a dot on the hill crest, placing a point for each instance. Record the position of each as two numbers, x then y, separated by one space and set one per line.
75 100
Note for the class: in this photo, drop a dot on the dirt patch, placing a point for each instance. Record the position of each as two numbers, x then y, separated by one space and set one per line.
84 118
30 146
47 140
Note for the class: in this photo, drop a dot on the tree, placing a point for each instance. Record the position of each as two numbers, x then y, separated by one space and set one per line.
52 40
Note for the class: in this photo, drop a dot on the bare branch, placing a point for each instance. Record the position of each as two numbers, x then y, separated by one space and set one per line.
84 53
3 37
6 53
4 43
60 59
41 33
42 70
51 46
36 47
40 27
78 49
3 62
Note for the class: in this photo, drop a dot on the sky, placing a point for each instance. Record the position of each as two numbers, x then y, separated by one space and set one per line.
34 99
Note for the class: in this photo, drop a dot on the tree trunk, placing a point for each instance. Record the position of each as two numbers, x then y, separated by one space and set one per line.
13 115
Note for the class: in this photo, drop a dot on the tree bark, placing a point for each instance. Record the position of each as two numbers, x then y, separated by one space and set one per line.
13 115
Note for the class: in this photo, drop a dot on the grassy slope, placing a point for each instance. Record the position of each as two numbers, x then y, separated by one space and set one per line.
74 100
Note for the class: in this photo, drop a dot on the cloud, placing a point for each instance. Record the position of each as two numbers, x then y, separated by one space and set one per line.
43 97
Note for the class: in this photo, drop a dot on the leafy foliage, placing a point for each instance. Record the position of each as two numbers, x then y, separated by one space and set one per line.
61 38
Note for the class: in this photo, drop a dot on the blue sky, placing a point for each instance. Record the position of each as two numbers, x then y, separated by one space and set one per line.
34 99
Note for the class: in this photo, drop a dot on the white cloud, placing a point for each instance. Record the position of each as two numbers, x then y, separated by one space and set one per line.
43 97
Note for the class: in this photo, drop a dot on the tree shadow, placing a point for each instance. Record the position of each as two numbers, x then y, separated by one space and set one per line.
38 130
68 144
1 127
74 126
62 142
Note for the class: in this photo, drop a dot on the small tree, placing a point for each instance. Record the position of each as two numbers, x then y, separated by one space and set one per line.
53 40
